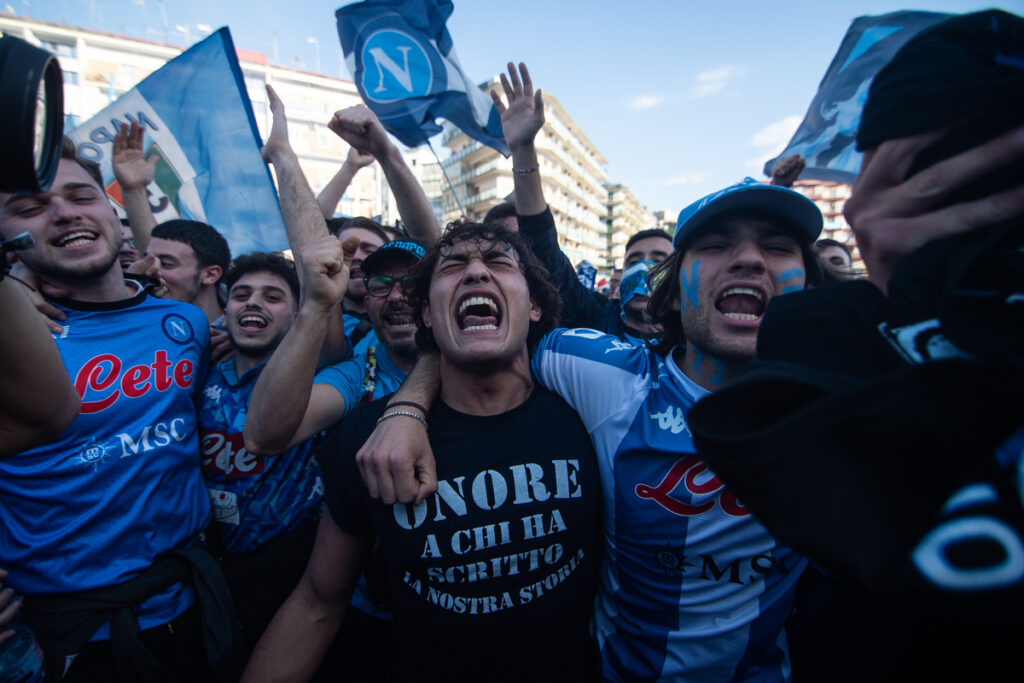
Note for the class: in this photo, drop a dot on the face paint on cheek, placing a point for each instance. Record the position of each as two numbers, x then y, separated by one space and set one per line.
690 287
788 275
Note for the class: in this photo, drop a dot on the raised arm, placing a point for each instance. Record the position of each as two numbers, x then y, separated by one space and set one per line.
521 120
787 169
360 128
397 462
134 173
303 220
335 188
37 397
283 411
298 637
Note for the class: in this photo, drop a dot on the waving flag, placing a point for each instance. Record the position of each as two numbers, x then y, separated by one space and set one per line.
403 62
828 132
198 121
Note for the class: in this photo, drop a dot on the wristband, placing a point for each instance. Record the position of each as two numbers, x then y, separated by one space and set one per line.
395 413
411 404
525 171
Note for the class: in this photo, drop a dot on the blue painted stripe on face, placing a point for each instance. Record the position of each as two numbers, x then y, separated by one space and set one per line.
690 287
792 288
787 275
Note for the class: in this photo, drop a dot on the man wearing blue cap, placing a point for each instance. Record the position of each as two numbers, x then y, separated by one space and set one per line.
692 587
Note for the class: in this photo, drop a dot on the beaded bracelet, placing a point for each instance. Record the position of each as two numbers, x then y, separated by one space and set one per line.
525 171
395 413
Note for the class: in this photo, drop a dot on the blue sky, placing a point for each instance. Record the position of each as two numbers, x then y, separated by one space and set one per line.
681 97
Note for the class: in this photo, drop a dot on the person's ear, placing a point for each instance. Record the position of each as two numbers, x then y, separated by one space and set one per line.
210 275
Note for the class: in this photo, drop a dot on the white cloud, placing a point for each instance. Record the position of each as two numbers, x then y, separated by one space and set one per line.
645 101
714 81
772 140
757 164
776 135
687 179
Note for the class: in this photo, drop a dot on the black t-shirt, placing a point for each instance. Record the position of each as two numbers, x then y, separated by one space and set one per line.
493 576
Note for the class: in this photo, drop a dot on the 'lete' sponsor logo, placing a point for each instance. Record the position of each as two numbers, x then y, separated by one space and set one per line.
103 373
689 471
225 455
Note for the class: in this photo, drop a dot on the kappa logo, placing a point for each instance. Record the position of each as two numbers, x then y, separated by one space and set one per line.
177 328
669 421
213 393
395 66
618 345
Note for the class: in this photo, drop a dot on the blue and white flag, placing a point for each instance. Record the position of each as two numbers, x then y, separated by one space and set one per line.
828 133
403 62
198 120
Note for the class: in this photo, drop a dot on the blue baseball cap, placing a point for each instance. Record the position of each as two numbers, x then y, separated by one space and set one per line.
788 208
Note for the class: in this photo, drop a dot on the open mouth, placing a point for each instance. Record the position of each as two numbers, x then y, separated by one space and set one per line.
478 313
252 322
76 238
398 317
741 303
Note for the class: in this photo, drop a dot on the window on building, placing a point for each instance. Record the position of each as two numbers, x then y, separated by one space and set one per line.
61 49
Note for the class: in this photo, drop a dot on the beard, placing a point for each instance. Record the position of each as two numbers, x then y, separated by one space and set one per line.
57 270
255 349
697 331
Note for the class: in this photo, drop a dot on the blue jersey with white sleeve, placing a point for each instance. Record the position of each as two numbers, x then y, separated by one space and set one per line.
121 485
692 587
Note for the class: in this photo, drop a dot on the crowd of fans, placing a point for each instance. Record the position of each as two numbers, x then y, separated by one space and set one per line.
408 453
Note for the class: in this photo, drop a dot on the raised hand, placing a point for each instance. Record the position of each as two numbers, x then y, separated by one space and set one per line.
277 143
361 129
358 159
131 167
892 216
787 169
325 265
524 115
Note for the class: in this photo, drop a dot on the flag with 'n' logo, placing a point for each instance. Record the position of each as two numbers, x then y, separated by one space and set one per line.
828 133
403 62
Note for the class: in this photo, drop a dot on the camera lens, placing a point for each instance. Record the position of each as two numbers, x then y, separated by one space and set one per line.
32 118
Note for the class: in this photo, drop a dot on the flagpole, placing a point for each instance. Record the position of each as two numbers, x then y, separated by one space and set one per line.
449 180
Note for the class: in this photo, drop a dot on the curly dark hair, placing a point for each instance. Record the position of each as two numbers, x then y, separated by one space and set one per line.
543 290
264 261
663 281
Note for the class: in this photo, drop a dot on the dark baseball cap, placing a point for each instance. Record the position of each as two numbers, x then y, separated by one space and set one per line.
406 251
